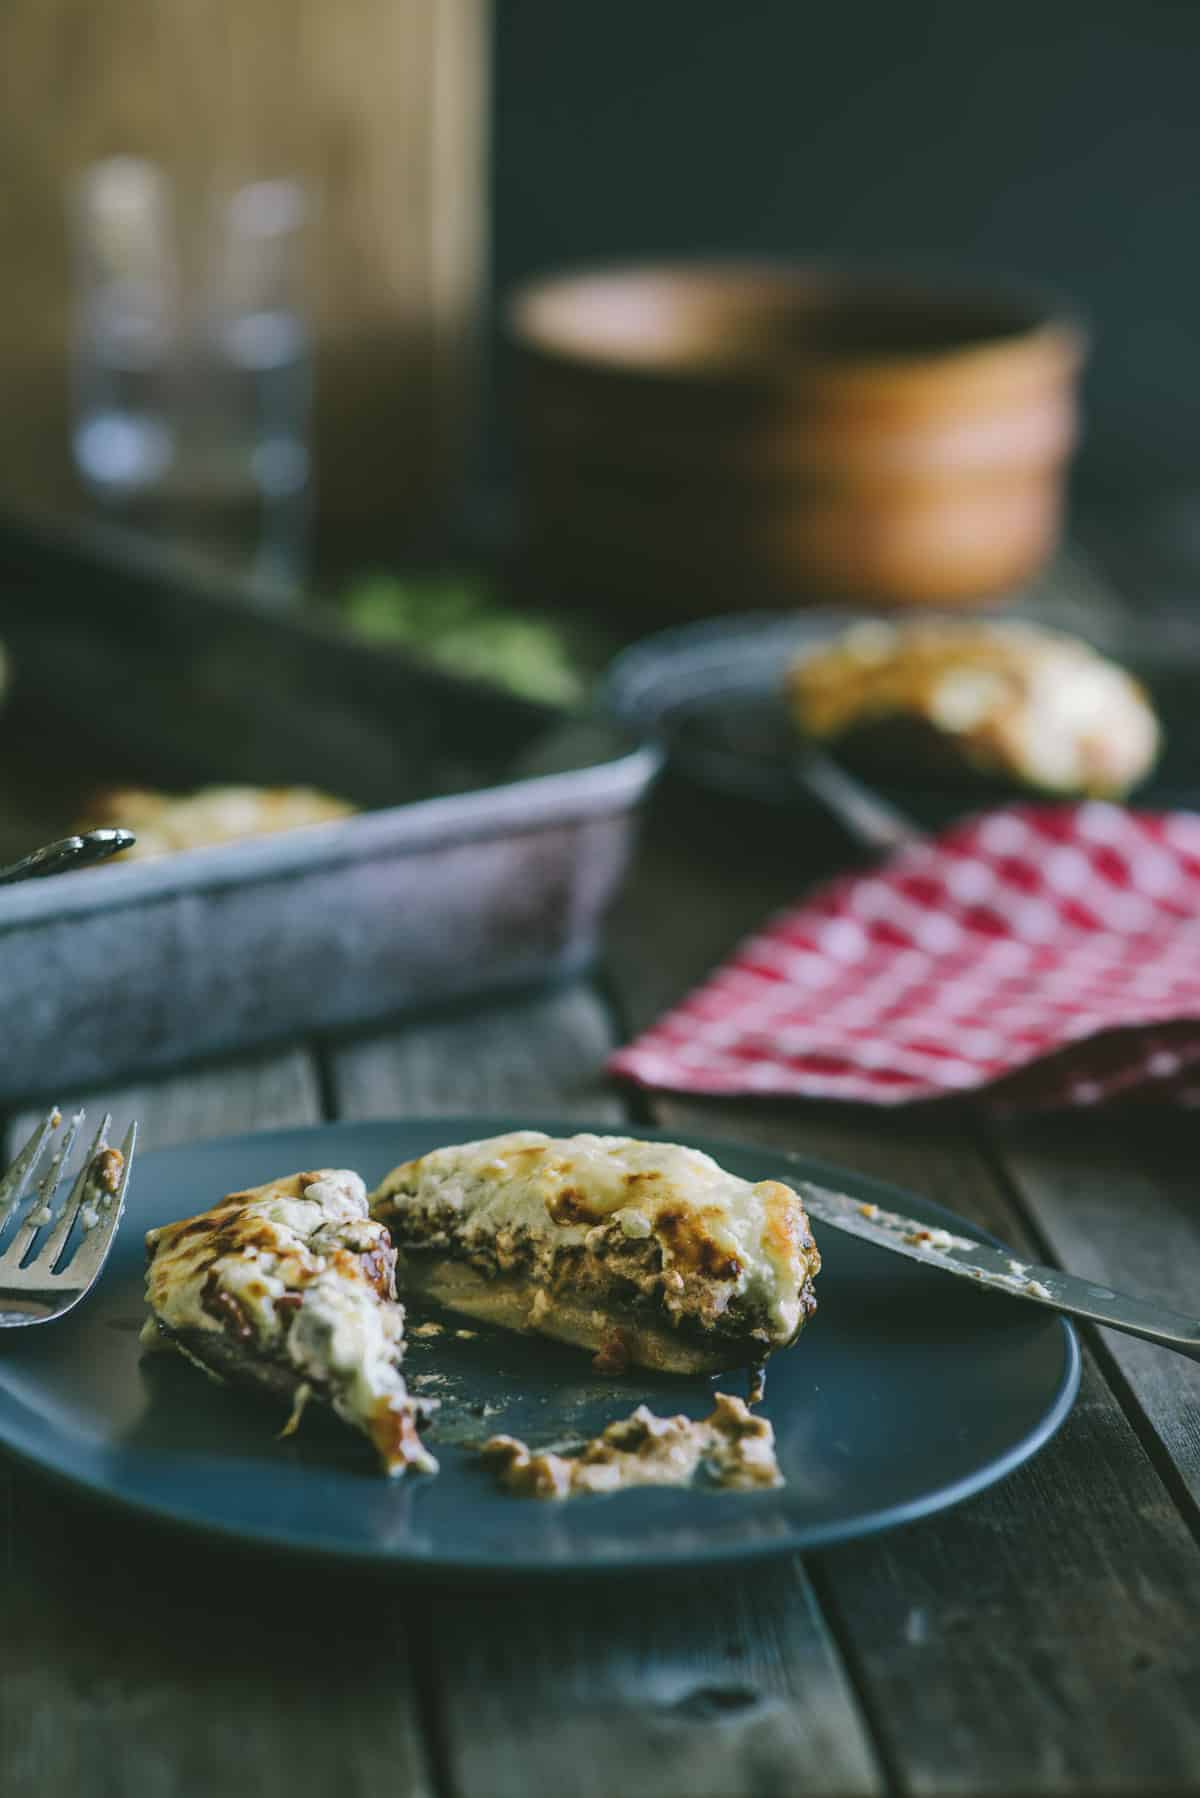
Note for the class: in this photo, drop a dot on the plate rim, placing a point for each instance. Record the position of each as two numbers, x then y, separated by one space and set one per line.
798 1540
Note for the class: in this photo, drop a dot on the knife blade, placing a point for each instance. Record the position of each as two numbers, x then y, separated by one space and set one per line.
1001 1270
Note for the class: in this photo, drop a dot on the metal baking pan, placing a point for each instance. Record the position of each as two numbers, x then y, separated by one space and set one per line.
496 834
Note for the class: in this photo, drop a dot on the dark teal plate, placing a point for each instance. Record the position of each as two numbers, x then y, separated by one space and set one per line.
907 1393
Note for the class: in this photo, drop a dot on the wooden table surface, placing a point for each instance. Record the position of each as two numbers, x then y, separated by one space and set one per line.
1041 1638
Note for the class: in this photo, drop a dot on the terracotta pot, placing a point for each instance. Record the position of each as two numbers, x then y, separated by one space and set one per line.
792 431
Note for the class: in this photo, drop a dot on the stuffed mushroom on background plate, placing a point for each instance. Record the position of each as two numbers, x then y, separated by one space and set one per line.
727 699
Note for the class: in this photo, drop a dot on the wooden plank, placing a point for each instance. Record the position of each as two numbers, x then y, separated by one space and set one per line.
1040 1637
707 873
1114 1198
537 1054
133 1660
703 1691
730 1686
136 1664
253 1094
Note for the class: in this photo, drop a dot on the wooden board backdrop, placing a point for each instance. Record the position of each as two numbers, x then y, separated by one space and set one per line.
379 105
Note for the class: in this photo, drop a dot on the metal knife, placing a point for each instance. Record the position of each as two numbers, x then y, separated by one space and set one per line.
1000 1270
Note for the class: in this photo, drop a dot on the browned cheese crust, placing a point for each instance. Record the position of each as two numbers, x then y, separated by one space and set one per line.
290 1288
647 1254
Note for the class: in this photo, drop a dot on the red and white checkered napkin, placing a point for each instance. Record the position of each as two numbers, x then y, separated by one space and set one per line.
1048 954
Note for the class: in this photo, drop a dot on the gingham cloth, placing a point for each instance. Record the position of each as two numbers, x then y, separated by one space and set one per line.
1049 956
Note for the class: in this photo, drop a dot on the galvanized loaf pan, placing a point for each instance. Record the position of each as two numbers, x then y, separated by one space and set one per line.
498 833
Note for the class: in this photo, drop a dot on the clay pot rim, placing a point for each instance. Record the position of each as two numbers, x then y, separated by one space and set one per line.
1019 321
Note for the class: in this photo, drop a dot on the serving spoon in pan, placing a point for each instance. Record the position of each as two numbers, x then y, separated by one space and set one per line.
69 852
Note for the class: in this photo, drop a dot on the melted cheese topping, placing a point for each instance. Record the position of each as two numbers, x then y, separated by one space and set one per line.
750 1242
296 1273
1014 699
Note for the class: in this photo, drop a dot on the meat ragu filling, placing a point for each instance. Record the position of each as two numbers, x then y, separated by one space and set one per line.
651 1234
612 1268
289 1287
226 1309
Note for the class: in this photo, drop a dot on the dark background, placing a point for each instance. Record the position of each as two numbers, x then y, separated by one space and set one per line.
1058 141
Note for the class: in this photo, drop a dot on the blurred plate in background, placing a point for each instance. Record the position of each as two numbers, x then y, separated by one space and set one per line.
711 695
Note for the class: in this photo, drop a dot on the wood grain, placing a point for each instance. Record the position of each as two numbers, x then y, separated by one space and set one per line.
133 1664
708 872
250 1094
542 1054
719 1687
1116 1202
137 1661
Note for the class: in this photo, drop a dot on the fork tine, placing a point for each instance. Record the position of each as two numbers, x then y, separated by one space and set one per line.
13 1182
92 1252
49 1251
39 1212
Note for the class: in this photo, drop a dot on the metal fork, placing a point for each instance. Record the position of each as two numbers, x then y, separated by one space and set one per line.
40 1277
